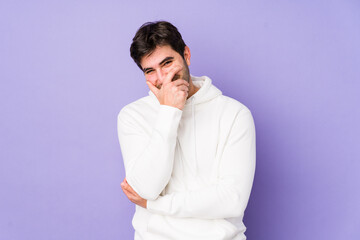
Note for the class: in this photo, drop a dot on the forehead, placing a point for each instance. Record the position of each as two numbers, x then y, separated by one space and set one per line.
159 54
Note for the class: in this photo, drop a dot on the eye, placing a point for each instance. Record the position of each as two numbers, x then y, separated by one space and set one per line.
167 63
149 71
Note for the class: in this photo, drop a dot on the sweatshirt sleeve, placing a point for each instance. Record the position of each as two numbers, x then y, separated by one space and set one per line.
148 156
229 195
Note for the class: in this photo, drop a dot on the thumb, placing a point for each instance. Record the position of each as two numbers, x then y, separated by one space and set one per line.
154 89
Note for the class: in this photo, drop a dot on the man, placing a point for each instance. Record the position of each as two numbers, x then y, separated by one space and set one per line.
188 150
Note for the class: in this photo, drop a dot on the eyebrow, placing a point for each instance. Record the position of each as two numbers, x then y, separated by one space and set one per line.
164 60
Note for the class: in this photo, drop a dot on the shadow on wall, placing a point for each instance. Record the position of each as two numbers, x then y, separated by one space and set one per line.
263 202
271 206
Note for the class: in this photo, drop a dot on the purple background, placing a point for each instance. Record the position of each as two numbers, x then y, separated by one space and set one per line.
66 72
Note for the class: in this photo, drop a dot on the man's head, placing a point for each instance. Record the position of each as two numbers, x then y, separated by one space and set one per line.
153 34
156 48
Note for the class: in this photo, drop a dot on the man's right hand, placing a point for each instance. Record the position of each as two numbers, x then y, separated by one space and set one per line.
171 93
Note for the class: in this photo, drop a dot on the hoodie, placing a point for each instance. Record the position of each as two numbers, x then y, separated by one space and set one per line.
194 166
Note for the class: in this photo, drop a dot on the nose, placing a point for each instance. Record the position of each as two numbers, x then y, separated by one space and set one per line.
160 74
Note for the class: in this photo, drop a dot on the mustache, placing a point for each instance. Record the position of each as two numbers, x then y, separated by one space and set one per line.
176 77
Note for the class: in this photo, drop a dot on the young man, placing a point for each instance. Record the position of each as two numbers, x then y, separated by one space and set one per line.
188 150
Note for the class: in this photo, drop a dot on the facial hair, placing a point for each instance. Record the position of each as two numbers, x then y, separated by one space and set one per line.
185 73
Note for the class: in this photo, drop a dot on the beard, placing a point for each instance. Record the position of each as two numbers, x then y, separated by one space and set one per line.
185 73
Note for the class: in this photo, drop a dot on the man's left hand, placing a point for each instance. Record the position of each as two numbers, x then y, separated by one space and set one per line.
132 195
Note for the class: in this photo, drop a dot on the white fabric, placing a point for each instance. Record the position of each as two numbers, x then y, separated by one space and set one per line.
195 166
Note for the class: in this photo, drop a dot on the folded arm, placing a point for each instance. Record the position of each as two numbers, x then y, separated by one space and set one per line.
148 157
228 197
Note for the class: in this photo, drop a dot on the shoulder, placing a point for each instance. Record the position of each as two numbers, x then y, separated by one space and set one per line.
232 105
135 108
237 115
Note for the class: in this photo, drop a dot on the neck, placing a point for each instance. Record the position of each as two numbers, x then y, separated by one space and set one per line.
193 89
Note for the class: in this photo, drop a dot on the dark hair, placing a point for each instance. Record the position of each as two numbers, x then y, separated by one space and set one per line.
153 34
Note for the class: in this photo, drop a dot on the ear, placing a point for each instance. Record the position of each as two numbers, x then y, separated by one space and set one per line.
187 55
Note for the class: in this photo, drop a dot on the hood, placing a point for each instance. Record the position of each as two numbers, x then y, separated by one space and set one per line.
206 92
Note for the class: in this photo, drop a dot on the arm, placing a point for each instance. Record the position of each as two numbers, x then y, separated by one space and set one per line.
228 197
148 158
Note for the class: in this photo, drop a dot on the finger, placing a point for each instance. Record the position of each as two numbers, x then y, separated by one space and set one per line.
129 189
129 197
125 191
183 88
125 185
132 191
132 198
153 88
128 194
180 82
172 73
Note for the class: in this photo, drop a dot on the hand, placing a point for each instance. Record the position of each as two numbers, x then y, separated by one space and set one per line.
171 93
132 195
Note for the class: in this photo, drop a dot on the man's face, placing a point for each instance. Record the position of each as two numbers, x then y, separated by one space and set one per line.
157 65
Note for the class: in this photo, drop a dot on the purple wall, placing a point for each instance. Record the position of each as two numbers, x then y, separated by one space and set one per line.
66 72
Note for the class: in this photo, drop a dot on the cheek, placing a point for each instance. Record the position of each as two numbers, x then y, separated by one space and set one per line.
151 78
166 70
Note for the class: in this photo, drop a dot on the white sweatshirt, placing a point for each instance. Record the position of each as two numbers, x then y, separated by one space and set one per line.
194 166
